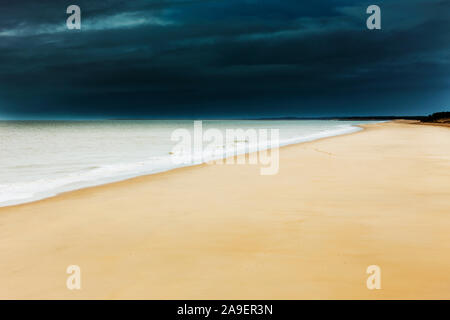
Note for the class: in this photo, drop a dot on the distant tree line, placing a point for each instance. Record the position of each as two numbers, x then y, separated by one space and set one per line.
438 117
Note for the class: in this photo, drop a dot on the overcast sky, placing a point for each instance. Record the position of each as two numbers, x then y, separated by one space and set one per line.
223 58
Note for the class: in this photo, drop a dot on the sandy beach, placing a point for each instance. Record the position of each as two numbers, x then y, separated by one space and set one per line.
380 196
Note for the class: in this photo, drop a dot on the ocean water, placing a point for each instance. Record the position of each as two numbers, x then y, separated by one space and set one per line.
39 159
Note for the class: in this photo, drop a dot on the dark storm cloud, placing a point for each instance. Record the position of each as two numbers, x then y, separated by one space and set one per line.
223 58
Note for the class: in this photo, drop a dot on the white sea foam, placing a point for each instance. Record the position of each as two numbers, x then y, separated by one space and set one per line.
42 159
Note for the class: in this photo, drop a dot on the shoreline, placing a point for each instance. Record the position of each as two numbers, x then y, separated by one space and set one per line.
109 181
380 196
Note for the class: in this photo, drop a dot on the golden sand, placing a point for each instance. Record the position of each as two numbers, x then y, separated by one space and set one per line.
376 197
